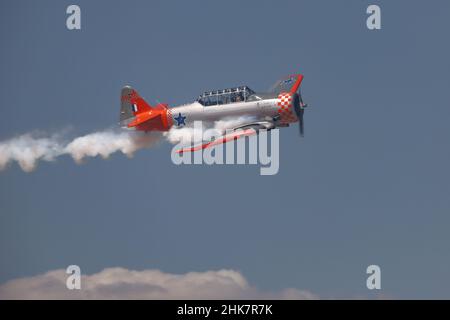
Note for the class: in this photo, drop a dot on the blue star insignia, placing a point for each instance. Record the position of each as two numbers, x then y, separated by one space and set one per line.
180 120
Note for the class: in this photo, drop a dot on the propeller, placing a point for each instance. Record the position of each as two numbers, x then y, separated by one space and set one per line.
299 108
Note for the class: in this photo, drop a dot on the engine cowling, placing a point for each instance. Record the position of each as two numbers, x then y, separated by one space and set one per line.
285 108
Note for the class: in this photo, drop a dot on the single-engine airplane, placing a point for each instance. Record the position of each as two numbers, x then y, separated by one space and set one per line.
279 107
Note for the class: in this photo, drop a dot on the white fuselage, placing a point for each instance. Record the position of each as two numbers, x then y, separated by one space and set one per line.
260 110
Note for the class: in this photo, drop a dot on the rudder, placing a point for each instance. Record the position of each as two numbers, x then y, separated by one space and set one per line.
131 104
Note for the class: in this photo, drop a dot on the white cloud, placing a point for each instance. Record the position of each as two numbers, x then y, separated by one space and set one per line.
120 283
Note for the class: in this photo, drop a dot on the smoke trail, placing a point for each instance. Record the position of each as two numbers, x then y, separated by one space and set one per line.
107 142
192 134
28 149
230 123
184 135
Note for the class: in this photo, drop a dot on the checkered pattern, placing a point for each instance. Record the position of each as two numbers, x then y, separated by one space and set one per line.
285 106
169 118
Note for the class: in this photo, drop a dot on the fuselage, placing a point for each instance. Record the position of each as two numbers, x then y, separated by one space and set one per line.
273 108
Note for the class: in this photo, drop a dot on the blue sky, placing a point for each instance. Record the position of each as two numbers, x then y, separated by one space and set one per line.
369 183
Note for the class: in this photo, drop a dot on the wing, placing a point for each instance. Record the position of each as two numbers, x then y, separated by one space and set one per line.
245 130
222 139
288 84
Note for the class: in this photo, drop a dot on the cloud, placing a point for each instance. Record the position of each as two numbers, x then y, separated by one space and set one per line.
120 283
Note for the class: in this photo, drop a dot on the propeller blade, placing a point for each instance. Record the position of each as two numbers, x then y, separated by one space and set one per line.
299 112
301 124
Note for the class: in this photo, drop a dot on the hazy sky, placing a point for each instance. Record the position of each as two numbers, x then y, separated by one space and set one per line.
369 183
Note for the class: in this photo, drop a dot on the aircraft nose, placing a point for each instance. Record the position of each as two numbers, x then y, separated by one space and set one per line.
285 108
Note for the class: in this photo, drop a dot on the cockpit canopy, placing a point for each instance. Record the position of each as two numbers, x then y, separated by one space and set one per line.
225 96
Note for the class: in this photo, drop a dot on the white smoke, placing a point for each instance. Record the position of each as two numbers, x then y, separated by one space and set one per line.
30 148
194 134
186 134
107 142
232 123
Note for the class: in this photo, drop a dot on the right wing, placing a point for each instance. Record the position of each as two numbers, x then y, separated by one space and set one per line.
288 84
246 130
222 139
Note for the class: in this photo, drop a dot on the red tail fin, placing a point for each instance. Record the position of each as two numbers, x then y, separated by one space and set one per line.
138 104
131 104
136 112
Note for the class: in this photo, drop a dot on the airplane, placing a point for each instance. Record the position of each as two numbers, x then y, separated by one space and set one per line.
279 107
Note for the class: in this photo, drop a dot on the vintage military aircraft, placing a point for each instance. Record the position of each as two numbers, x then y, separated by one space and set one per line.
279 107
